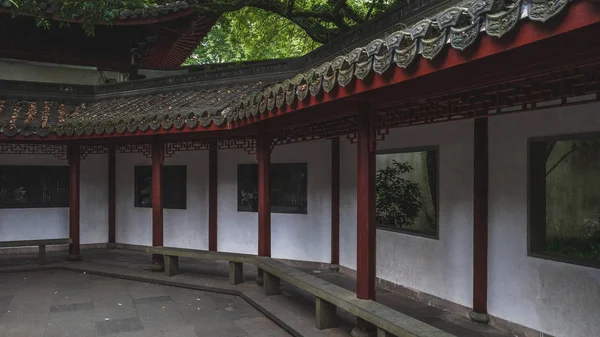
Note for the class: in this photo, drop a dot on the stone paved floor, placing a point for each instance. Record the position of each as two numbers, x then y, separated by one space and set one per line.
299 304
65 303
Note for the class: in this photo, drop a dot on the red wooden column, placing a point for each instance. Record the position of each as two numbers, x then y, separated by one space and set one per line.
335 203
480 221
111 194
158 157
365 209
213 167
263 155
74 156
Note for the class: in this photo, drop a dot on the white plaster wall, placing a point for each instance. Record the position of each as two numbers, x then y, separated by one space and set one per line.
18 70
293 236
184 228
556 298
50 223
93 194
440 267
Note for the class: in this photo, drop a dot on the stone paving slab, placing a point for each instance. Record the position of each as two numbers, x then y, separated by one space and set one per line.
294 310
174 312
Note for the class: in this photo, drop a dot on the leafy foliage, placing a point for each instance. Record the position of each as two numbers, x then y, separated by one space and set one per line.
247 29
252 34
398 199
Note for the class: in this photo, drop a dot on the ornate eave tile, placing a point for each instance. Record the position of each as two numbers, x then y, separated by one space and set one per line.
290 96
179 122
461 38
132 125
219 118
329 79
143 124
420 28
154 124
89 129
262 106
100 129
375 46
363 69
404 57
192 120
69 130
479 7
542 10
302 91
345 76
204 118
449 17
338 62
382 62
357 55
394 40
432 47
42 132
12 131
501 23
315 85
166 123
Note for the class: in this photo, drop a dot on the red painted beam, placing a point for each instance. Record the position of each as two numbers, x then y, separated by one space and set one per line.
158 158
112 186
335 201
480 215
263 155
74 157
213 185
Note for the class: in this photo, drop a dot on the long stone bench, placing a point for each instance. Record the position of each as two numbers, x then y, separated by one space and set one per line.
329 297
171 256
40 243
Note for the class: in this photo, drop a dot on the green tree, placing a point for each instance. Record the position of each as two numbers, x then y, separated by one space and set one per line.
246 30
398 199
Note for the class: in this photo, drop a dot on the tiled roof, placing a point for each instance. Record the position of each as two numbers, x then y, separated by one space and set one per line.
173 110
457 26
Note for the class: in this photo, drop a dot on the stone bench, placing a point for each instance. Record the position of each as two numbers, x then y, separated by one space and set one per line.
329 297
40 243
171 255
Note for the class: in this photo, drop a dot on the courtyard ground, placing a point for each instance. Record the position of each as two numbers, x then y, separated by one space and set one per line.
112 292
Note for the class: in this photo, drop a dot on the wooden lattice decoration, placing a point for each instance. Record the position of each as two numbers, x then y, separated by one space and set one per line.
58 151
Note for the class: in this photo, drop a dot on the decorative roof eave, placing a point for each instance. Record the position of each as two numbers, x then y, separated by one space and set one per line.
457 26
378 56
138 16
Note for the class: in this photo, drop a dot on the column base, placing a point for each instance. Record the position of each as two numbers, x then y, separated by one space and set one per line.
479 318
111 245
157 267
356 332
334 267
74 257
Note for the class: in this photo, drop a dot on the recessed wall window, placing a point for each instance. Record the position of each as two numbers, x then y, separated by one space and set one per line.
564 198
34 186
288 184
406 191
174 187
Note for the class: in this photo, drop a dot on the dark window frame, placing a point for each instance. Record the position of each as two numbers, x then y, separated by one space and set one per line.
176 172
436 149
535 245
274 209
64 203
